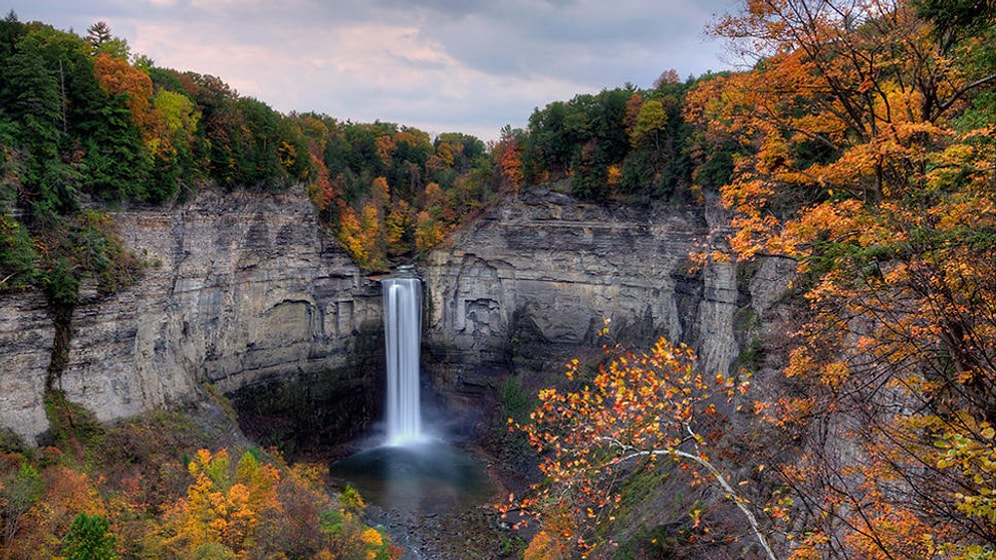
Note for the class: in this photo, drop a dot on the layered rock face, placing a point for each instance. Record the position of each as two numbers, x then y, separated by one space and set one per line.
242 290
246 292
27 335
552 268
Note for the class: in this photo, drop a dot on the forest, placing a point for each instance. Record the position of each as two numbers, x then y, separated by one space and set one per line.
860 143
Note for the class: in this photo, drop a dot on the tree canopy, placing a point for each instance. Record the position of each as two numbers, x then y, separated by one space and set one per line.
83 119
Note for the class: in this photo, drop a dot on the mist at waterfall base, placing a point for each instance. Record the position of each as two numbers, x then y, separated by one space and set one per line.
410 467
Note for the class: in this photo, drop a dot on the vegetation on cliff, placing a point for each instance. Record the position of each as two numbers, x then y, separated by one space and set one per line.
152 487
867 157
622 143
86 125
862 145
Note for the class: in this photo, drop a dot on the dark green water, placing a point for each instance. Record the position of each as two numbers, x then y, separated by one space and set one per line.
419 478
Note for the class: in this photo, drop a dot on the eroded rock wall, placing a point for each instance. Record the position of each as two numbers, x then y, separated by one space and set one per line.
27 334
246 291
241 289
560 267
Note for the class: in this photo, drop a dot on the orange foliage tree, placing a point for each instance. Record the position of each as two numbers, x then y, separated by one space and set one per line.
866 154
256 508
222 509
635 415
508 153
117 77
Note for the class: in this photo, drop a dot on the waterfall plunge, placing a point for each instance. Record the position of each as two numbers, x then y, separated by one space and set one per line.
411 472
402 333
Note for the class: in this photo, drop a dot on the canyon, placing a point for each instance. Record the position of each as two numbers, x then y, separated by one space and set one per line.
246 295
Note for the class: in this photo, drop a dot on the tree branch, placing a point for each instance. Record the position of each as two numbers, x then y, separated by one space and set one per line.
964 89
731 492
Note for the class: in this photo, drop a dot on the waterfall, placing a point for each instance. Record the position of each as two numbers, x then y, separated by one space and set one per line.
402 333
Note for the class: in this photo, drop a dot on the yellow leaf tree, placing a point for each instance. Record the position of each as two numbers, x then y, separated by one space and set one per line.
866 148
222 509
637 414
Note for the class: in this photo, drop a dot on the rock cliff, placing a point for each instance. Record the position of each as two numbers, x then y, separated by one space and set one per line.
553 268
246 292
241 290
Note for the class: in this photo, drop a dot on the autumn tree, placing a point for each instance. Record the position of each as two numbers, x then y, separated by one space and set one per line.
118 77
380 173
398 224
842 106
371 235
508 153
20 489
633 105
429 231
377 228
650 121
224 505
119 152
640 413
862 156
174 144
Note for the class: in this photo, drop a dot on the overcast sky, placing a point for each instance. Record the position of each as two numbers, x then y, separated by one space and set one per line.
468 66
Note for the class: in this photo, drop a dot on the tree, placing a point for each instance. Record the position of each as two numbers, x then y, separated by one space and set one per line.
11 29
650 121
31 95
102 41
174 143
552 137
350 236
17 255
429 232
372 235
223 507
132 130
98 34
842 104
346 536
861 157
638 414
668 77
255 140
509 154
89 538
398 228
18 493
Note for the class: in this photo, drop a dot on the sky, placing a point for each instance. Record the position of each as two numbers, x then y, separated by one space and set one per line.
470 66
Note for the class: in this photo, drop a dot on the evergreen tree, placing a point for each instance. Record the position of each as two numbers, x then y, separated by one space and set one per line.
89 538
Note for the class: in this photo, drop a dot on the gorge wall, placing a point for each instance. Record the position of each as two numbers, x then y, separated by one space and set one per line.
242 291
533 280
556 268
246 292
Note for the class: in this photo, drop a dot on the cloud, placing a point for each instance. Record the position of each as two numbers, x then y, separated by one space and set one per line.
441 65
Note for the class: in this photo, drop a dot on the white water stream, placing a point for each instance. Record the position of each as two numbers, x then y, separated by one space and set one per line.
402 333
